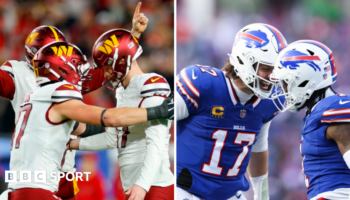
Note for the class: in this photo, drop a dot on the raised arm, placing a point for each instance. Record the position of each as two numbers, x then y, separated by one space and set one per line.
139 22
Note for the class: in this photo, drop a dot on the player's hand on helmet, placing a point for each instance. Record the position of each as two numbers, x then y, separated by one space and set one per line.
136 193
163 111
139 22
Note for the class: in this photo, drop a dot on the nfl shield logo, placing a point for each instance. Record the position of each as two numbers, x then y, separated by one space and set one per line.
243 113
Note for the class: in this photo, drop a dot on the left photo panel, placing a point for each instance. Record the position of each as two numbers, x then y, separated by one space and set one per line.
86 104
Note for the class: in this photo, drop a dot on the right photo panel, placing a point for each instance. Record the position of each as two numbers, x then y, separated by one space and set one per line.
262 110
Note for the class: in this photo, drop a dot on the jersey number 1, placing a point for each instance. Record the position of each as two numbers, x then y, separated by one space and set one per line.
220 136
27 108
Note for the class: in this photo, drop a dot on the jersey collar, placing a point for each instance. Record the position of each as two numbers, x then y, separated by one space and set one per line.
254 101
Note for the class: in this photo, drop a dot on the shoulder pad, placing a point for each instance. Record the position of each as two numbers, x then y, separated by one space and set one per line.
155 85
338 109
65 92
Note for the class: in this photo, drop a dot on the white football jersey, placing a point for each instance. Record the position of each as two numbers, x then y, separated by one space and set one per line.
143 148
24 79
38 144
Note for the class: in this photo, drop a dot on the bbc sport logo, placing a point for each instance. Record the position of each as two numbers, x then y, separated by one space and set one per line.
43 176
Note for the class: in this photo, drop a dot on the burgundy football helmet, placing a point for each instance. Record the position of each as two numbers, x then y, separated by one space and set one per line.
117 48
40 37
59 61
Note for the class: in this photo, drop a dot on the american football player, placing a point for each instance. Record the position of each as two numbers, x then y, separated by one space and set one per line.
305 71
48 114
143 148
223 119
17 79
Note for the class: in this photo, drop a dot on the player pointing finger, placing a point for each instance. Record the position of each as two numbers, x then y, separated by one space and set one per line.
139 22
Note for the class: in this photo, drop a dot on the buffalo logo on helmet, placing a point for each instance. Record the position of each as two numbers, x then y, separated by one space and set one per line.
291 59
109 44
60 50
253 39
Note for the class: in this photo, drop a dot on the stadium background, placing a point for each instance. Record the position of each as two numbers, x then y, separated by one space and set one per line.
205 34
82 22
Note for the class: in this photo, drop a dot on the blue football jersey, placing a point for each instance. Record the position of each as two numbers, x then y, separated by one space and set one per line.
323 164
214 141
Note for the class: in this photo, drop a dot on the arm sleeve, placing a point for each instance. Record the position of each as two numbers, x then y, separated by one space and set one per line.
106 140
261 143
181 108
156 141
7 84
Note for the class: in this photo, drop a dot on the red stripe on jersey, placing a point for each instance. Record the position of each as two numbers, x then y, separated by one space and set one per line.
233 92
155 79
189 84
67 87
148 97
184 92
334 120
329 112
7 63
335 114
7 85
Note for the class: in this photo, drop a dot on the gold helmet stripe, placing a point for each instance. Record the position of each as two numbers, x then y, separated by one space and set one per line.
54 32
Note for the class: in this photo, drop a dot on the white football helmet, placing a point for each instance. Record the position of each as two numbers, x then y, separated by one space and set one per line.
256 43
302 68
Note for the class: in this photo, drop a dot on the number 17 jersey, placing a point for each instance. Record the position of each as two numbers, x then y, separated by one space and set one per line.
215 140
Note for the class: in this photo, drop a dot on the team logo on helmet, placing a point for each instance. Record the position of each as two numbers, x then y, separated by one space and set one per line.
291 59
60 50
108 44
253 39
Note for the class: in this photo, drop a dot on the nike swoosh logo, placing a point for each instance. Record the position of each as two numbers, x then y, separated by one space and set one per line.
194 77
69 86
239 196
154 80
343 102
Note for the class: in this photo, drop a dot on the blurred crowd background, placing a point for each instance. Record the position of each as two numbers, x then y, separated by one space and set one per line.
82 22
205 34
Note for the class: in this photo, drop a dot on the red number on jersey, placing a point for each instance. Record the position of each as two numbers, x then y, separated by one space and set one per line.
23 123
